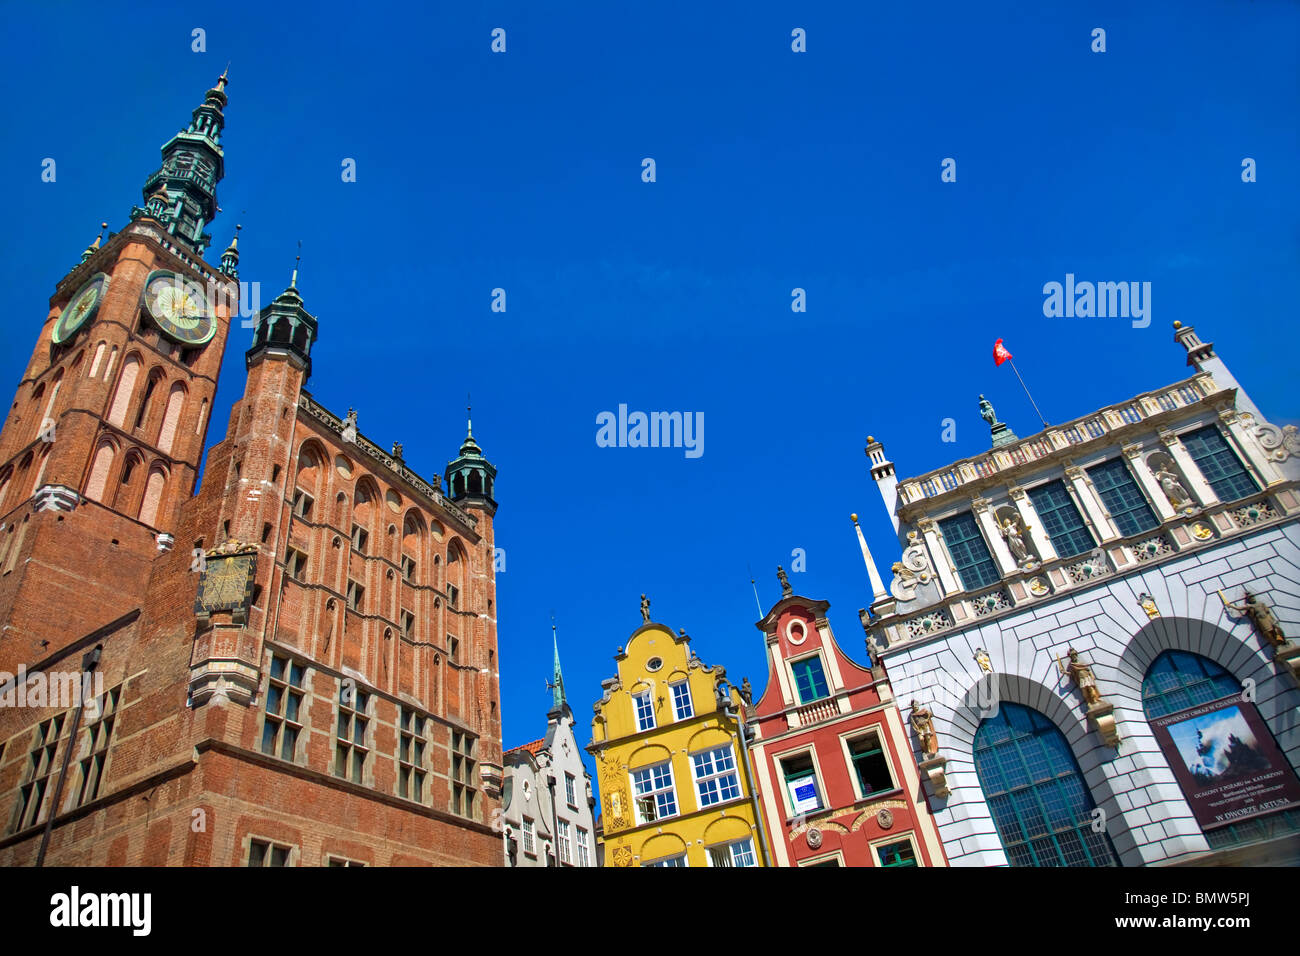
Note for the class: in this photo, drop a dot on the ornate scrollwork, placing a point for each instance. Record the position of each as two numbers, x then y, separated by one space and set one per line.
912 571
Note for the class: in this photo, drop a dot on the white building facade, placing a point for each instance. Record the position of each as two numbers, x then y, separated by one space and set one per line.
1169 735
546 795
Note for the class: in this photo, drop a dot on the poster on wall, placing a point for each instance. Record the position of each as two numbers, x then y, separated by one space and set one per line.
1227 762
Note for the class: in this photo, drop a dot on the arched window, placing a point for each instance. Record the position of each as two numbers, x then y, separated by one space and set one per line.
150 387
1221 748
1039 800
1178 680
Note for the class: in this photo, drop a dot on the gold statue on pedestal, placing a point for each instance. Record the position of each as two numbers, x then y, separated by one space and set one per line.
1082 675
1261 617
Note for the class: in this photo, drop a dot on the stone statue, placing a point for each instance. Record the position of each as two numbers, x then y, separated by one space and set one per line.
747 692
1261 618
350 426
1014 536
922 722
1082 675
1173 489
397 450
986 411
985 662
874 649
785 581
645 609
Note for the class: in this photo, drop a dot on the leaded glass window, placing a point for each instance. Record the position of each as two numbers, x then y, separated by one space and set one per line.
1040 804
1221 468
1122 497
1061 519
969 553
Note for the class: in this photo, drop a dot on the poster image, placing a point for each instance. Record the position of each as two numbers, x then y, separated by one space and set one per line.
1226 761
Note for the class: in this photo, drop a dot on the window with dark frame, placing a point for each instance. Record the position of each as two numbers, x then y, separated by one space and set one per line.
350 750
410 754
1061 519
41 767
284 694
463 768
302 503
970 552
266 853
871 765
1120 494
1219 464
99 731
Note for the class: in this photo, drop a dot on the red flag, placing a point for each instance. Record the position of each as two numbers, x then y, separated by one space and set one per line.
1000 353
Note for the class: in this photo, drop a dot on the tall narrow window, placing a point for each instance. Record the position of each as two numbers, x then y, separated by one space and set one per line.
1061 519
41 767
645 710
969 552
1220 466
584 854
682 700
1122 498
463 770
570 789
350 750
530 837
284 693
410 755
809 679
100 718
564 841
1040 802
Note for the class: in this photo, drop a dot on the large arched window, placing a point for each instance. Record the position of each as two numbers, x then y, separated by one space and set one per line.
1038 798
1219 743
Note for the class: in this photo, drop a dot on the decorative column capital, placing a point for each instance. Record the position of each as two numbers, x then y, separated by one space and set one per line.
1074 473
980 505
1132 451
1228 416
925 525
1167 438
1016 493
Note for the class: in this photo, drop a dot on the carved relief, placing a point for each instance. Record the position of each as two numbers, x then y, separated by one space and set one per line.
912 571
1278 443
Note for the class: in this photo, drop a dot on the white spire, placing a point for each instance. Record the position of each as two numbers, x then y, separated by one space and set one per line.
877 585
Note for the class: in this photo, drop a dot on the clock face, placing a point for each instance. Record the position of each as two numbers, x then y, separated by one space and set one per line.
178 308
81 309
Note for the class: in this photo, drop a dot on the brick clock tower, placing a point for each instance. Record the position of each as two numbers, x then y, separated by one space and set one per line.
299 663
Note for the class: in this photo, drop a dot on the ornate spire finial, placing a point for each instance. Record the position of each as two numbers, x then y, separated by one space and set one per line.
556 683
293 281
469 420
94 246
230 258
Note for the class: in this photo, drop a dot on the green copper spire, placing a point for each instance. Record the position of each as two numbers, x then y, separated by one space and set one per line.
557 678
182 194
285 328
471 475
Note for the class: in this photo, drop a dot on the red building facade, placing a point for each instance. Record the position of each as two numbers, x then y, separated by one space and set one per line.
297 664
837 781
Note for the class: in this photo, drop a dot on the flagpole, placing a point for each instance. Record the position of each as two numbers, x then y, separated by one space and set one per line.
1027 395
757 602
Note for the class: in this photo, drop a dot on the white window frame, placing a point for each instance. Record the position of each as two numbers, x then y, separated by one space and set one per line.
645 697
638 796
571 789
529 837
562 841
682 686
731 848
699 779
665 861
584 851
786 798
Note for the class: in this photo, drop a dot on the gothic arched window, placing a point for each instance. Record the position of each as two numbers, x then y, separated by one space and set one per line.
1039 800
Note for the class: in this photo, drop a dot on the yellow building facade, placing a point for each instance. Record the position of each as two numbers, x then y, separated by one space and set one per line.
672 767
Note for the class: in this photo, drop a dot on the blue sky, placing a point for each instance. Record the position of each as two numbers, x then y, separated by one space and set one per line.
775 170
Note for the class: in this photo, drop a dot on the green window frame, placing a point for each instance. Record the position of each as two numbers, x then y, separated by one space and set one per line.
1219 464
970 553
1120 494
810 679
1061 519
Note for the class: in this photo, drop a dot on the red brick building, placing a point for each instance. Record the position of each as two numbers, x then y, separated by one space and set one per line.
299 663
837 782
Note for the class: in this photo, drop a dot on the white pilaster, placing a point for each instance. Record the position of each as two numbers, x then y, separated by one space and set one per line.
1266 472
1094 513
1147 481
939 557
1197 486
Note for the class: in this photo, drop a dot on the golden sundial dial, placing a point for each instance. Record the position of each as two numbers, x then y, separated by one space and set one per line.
178 308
